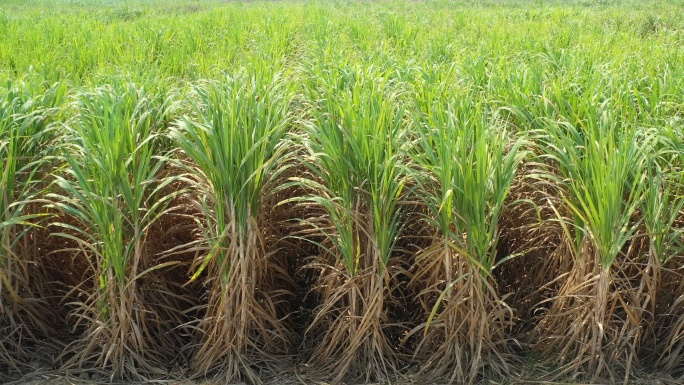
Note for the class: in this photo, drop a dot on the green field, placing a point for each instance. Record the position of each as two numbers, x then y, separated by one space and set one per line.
445 191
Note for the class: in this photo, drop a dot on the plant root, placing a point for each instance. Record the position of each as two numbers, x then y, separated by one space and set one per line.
242 336
467 335
351 331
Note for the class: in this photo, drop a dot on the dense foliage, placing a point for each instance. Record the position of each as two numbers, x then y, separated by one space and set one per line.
354 190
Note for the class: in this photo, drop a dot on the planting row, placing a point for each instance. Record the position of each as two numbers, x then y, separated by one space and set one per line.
364 227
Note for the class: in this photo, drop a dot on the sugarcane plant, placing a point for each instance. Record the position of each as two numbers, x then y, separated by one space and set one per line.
662 207
232 152
107 199
465 160
353 156
26 138
597 163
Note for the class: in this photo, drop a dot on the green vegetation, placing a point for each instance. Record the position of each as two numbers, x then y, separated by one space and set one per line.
355 145
356 191
234 147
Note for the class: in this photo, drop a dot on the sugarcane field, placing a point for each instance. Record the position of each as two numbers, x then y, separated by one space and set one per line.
408 192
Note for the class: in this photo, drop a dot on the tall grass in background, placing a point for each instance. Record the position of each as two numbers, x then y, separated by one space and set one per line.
107 200
26 140
232 152
355 152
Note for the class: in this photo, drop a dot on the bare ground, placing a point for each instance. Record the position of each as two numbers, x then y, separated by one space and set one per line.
292 379
529 373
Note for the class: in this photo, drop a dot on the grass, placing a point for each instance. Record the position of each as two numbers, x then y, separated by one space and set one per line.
465 165
108 188
234 149
26 140
354 155
360 191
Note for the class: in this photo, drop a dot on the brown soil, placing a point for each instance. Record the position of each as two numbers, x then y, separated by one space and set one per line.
289 379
